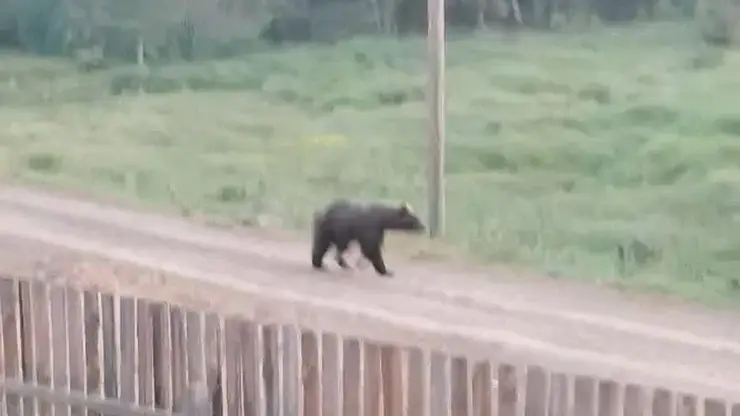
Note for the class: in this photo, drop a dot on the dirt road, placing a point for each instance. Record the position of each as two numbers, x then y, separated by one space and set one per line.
645 333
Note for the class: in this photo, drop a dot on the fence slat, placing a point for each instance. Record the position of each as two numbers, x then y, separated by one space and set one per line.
76 345
391 374
584 393
111 341
145 318
179 357
559 393
508 395
292 388
10 358
162 358
8 355
95 302
419 383
28 342
663 404
440 384
252 367
42 340
687 405
212 360
311 373
231 378
12 349
609 398
713 407
198 399
459 387
272 365
371 383
197 396
93 346
482 389
127 350
537 394
94 404
58 327
23 407
4 299
635 400
221 406
331 375
57 339
352 378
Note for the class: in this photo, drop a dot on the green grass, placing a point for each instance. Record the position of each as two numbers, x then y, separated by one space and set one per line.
563 150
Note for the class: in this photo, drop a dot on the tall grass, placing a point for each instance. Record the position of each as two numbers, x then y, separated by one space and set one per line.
612 155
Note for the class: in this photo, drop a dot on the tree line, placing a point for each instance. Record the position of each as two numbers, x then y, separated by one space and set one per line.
144 30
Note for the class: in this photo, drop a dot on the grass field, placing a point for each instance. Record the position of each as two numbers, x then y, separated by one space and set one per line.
613 155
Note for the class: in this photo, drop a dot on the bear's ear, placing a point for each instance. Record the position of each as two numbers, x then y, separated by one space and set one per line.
406 209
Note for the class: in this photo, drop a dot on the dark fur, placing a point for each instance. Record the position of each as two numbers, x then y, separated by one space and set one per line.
343 222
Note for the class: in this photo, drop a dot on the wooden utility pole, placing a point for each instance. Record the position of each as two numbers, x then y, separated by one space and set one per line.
436 101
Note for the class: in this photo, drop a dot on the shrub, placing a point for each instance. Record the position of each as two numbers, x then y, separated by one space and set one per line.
719 21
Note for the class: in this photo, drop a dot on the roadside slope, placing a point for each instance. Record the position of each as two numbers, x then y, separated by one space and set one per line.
688 341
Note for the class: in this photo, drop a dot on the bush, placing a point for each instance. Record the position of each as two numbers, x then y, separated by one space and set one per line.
149 83
90 59
719 22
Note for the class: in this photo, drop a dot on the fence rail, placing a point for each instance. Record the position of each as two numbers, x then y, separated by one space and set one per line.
78 337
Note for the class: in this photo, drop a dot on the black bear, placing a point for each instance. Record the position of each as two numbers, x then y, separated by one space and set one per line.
343 222
287 29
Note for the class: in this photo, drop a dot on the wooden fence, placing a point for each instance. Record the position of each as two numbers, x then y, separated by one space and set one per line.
73 349
66 351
